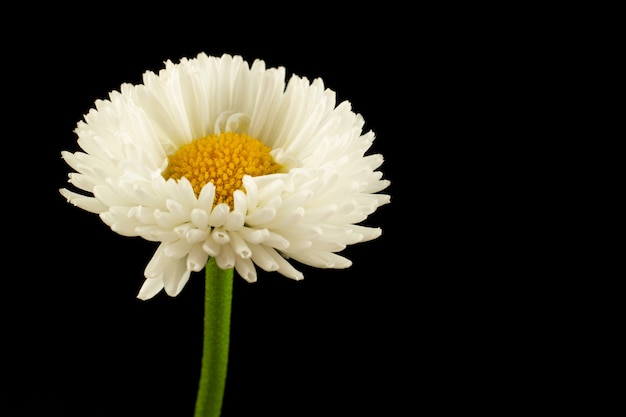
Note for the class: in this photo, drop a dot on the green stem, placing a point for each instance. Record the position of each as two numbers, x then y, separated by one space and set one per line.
217 308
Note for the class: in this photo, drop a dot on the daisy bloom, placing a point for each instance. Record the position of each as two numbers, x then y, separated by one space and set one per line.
214 158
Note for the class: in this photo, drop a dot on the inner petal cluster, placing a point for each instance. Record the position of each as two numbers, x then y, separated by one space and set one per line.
222 160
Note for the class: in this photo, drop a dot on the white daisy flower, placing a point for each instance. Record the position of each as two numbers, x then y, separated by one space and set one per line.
213 157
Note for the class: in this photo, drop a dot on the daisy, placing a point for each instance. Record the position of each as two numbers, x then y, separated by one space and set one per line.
214 158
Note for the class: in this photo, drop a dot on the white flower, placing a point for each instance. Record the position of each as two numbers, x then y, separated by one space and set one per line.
213 157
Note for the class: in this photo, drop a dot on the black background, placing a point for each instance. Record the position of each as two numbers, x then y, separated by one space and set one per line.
377 338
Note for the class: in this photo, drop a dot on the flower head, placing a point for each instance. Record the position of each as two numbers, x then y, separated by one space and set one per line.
213 157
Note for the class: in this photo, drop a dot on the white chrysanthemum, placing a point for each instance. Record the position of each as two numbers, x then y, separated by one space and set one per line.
213 157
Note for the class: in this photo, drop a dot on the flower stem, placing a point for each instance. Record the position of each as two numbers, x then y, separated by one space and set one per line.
217 310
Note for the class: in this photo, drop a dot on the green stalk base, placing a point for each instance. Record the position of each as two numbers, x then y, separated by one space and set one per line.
216 338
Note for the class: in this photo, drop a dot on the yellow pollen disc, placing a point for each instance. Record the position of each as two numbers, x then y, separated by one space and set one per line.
222 160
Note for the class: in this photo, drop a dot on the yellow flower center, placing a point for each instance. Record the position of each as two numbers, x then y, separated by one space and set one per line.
222 160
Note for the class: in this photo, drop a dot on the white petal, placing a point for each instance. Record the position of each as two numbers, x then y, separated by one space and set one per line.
200 218
220 236
246 270
86 203
197 259
219 215
234 221
261 216
175 274
211 247
239 245
150 288
252 192
122 226
194 236
275 240
182 282
226 258
177 209
206 197
107 196
166 219
177 249
286 269
240 202
367 233
155 233
264 257
157 264
321 259
185 194
143 214
254 235
286 218
139 194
